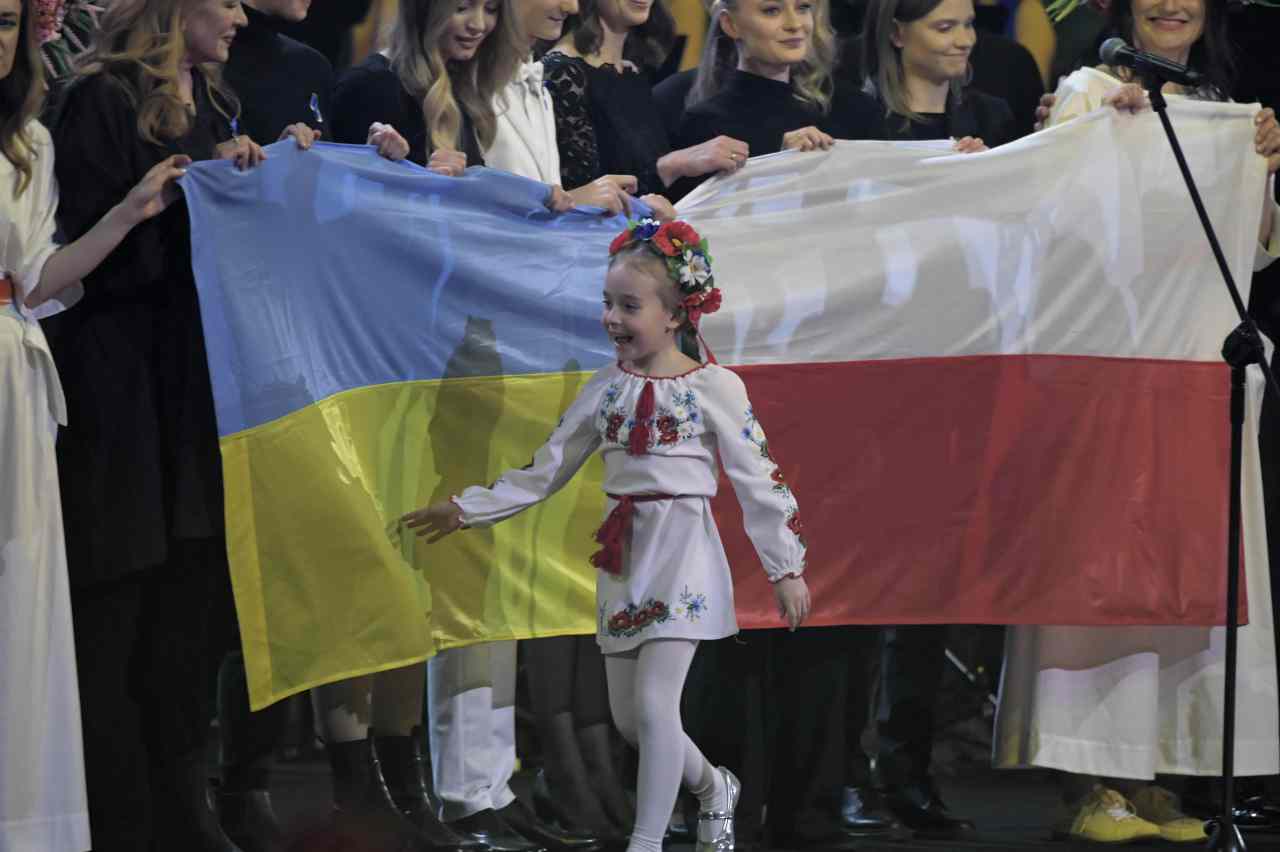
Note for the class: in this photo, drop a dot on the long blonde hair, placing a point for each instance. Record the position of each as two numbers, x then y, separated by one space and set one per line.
141 43
810 80
21 98
447 88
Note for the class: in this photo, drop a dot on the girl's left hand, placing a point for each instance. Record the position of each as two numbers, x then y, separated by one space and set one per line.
1266 138
436 520
302 133
970 145
663 210
807 139
241 150
156 191
388 141
792 594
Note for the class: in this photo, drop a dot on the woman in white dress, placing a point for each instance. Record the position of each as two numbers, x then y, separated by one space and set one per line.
1117 706
42 793
661 419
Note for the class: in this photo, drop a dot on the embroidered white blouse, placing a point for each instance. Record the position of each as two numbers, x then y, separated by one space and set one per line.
675 580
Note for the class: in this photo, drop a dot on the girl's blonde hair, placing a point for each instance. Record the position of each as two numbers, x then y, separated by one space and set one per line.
810 80
21 98
447 88
141 43
882 68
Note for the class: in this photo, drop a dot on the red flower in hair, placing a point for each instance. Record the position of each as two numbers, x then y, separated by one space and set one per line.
702 302
620 242
675 236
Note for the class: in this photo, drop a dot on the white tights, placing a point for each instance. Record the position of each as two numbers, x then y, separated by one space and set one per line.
644 695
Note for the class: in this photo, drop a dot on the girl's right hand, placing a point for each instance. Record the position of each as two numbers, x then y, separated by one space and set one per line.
807 139
447 163
436 520
612 192
792 594
388 141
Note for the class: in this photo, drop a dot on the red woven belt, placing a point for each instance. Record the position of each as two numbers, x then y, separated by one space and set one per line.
6 290
613 532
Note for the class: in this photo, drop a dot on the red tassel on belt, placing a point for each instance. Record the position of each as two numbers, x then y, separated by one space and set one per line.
613 532
638 439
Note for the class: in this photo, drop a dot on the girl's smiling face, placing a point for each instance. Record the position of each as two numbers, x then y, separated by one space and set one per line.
636 317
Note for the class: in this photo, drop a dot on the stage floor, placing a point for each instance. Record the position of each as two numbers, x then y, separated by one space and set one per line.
1012 810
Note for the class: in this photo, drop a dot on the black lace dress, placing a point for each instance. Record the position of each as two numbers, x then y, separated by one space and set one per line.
606 122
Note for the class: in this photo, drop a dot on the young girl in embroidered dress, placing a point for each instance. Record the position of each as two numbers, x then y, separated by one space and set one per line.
660 418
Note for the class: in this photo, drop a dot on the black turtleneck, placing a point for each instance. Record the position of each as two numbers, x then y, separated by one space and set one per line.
760 111
275 77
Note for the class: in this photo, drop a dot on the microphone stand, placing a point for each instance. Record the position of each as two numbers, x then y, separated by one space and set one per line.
1241 348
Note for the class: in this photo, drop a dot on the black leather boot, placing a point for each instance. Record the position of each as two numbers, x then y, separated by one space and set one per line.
364 814
183 815
405 771
248 755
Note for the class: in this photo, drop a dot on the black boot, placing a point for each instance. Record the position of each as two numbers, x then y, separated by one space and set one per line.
183 815
405 772
364 812
248 755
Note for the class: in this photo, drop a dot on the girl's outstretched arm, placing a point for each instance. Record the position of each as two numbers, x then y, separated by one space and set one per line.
572 443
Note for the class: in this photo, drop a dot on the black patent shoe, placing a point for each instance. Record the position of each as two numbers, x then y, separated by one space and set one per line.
861 812
918 807
487 827
524 821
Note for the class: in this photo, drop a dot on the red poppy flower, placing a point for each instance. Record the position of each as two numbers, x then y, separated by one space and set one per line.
620 242
793 524
659 609
711 303
776 476
683 232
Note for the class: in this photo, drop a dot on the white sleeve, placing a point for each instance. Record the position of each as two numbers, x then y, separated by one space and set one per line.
1080 93
565 452
39 226
769 510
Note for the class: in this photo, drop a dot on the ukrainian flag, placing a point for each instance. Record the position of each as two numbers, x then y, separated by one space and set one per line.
380 337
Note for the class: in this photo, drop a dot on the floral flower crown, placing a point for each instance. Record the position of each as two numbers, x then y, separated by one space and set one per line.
688 261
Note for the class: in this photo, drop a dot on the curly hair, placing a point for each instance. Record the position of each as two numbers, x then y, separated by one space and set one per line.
447 88
141 43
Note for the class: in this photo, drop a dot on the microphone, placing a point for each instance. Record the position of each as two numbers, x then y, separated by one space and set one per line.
1116 53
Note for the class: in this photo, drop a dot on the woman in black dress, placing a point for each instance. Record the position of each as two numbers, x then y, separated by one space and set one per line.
916 65
607 122
766 78
139 465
